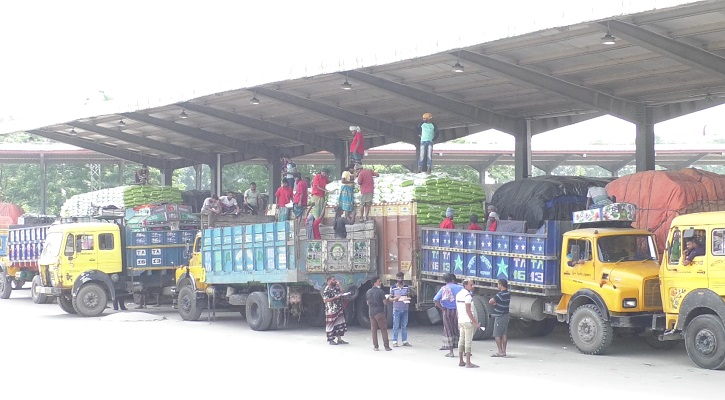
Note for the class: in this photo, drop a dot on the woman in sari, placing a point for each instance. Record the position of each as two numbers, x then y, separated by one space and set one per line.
335 325
345 201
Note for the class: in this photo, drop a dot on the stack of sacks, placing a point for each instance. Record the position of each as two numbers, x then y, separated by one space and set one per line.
432 193
121 197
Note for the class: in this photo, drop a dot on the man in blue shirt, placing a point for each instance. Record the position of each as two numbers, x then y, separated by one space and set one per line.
399 295
500 303
445 300
428 133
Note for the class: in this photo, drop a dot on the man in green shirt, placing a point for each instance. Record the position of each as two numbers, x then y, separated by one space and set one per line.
428 134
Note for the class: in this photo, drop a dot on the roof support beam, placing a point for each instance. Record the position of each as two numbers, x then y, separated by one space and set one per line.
314 142
546 124
601 101
614 168
548 168
668 47
388 129
687 163
479 115
669 111
101 148
197 156
201 134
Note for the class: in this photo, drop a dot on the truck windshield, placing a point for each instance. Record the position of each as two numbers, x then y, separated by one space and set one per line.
627 248
52 245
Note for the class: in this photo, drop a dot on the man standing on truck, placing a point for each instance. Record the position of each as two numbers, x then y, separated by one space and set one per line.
500 303
445 300
467 323
300 198
448 222
376 305
428 133
335 325
357 147
319 184
367 188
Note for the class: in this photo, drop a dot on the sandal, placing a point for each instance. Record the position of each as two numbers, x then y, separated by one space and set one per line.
340 341
332 342
498 355
450 355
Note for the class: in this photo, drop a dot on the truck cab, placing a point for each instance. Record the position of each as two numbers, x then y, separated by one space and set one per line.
692 278
79 265
609 279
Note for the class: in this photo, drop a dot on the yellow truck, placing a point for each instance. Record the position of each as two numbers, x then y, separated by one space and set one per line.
692 279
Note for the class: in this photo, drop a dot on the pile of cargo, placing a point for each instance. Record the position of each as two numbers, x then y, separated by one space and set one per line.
121 197
433 194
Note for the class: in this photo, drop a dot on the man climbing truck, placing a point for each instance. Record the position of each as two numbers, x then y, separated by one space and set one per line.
693 287
596 279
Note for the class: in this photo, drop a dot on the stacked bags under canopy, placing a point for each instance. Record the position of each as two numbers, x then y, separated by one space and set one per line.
121 197
432 193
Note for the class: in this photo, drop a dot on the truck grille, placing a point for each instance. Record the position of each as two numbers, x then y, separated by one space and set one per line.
652 298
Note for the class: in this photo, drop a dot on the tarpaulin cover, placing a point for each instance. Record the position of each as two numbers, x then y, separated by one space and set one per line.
544 198
12 211
660 196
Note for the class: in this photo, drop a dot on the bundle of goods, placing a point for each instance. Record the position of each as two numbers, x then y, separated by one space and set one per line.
433 194
121 197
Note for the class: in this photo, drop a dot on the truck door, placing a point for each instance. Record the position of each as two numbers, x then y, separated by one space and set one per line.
109 253
86 254
716 261
679 279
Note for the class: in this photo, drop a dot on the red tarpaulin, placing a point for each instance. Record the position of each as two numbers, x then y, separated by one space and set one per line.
11 212
660 196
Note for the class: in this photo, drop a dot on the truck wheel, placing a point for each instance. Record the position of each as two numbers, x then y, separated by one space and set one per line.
38 298
91 300
483 312
277 320
363 319
589 331
705 342
5 288
65 301
189 307
259 315
654 342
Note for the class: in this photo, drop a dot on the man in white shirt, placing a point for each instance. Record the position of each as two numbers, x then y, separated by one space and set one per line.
251 198
597 197
229 204
467 323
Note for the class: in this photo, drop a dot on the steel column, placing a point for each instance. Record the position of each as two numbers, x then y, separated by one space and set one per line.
645 140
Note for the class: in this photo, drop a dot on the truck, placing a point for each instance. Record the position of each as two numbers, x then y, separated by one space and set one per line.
693 292
596 273
22 245
271 272
86 264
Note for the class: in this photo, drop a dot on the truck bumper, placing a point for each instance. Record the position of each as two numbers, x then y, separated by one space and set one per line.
48 290
631 321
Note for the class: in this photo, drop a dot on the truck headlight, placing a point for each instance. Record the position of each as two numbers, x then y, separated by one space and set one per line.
629 303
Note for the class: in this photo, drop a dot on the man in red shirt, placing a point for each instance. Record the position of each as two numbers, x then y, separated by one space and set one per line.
319 182
284 196
367 188
300 197
473 226
357 147
448 222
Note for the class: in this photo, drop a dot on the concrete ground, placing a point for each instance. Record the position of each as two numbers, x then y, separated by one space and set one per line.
152 353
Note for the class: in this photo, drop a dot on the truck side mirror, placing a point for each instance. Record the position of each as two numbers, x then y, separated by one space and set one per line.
575 252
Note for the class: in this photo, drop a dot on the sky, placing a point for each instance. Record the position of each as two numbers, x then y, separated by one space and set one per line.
64 60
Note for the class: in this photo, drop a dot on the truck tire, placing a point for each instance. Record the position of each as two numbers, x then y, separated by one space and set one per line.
38 298
91 300
589 331
65 301
259 315
277 320
5 288
483 312
189 307
705 341
363 319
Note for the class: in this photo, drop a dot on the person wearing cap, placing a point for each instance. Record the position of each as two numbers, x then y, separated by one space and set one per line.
367 188
473 226
448 222
357 147
319 184
428 133
493 221
491 208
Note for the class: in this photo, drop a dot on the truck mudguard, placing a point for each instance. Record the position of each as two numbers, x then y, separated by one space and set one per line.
592 296
188 276
90 276
699 299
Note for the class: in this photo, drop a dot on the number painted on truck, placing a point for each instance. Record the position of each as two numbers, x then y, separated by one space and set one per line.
536 274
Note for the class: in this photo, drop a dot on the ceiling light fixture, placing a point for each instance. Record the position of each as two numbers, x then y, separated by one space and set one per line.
458 67
121 123
183 114
346 85
608 39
